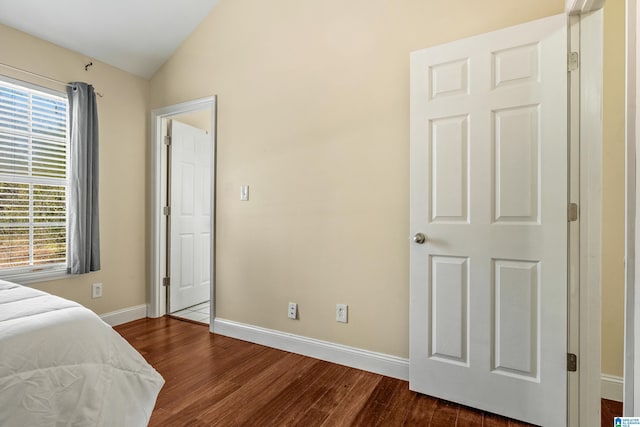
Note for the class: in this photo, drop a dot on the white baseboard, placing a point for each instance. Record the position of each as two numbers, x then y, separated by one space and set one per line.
125 315
379 363
611 387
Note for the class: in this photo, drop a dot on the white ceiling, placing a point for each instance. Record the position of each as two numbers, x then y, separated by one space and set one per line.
137 36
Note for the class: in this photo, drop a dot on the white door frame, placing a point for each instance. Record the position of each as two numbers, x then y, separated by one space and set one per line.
631 398
578 7
590 207
586 25
157 294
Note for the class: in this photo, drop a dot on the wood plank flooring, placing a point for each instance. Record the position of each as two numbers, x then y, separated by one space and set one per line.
212 380
610 410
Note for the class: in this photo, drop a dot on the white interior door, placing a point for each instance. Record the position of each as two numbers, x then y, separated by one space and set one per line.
190 250
488 321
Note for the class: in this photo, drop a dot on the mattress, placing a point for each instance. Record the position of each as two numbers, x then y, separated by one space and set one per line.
61 365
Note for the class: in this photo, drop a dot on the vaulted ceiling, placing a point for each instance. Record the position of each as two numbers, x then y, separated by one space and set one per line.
137 36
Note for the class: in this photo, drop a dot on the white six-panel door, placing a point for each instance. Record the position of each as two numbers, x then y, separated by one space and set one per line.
488 310
190 216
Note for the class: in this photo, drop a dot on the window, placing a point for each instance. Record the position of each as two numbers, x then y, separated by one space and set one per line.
34 150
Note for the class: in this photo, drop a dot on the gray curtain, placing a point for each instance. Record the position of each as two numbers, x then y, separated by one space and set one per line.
83 234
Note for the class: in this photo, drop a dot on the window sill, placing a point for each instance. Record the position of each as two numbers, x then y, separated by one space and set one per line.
26 278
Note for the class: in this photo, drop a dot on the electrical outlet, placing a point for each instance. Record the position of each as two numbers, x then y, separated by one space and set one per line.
96 290
293 310
341 313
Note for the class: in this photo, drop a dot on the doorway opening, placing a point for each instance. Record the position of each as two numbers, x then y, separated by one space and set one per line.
183 210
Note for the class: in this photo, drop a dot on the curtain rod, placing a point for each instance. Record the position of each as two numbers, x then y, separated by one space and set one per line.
40 76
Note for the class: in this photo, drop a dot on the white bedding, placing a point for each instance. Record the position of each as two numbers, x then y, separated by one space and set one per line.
61 365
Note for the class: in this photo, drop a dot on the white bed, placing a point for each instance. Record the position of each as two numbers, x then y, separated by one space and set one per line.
61 365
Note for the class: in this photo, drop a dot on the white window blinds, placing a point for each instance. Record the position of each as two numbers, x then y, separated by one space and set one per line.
33 178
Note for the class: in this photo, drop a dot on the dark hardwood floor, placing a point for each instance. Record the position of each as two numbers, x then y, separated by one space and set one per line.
212 380
610 410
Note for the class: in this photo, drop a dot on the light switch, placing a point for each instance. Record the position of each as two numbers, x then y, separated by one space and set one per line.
244 193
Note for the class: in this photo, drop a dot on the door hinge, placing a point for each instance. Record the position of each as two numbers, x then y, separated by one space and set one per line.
572 212
166 281
572 362
166 210
167 140
573 61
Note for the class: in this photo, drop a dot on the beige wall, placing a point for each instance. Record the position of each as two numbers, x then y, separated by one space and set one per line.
613 189
313 114
197 119
123 120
